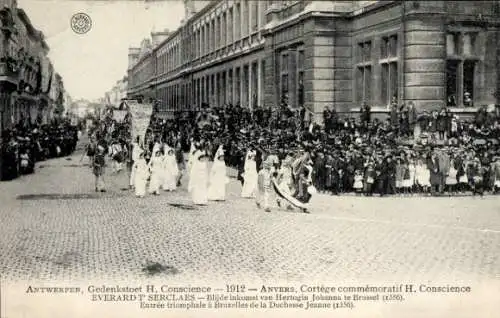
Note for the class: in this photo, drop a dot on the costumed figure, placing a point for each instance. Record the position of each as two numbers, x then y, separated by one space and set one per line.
98 164
116 154
181 165
156 168
141 176
198 182
136 152
298 167
250 176
285 180
306 189
190 162
170 170
264 188
451 179
218 178
423 175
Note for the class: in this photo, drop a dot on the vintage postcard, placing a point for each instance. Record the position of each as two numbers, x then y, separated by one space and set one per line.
244 158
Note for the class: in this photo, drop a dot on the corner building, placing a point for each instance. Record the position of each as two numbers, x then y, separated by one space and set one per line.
321 53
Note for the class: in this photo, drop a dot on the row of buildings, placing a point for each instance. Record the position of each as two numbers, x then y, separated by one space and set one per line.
117 93
30 89
323 53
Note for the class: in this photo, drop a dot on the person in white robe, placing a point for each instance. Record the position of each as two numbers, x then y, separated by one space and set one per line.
285 181
199 178
170 169
192 151
141 176
156 168
218 177
250 176
136 152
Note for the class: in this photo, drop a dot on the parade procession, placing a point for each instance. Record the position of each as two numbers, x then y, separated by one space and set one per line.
282 160
242 141
205 148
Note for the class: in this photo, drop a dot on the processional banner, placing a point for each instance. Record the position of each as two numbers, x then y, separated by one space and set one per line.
141 115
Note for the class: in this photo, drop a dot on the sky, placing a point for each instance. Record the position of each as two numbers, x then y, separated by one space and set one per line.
90 64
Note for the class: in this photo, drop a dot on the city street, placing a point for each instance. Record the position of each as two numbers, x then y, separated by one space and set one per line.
54 226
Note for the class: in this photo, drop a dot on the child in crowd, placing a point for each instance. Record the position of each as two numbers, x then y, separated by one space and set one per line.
358 182
423 176
451 179
369 179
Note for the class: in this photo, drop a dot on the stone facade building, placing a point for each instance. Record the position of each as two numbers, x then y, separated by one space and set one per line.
26 73
321 53
117 94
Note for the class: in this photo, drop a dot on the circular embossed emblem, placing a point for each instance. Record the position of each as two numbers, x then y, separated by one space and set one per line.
81 23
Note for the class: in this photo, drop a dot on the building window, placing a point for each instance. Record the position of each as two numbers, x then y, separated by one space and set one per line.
230 26
230 85
284 86
389 69
255 16
300 77
461 68
451 82
284 78
284 63
452 44
219 33
363 72
238 86
223 32
262 80
389 47
237 19
363 84
364 52
469 44
213 35
244 18
468 82
389 82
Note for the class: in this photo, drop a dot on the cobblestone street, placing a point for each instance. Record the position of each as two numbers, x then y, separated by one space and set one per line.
84 235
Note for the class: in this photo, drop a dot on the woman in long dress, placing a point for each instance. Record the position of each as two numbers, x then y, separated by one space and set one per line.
192 150
423 176
199 178
156 168
136 152
218 178
285 180
141 176
170 170
250 176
